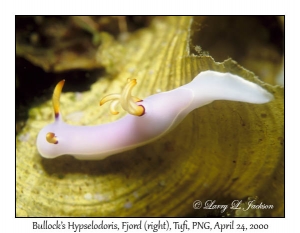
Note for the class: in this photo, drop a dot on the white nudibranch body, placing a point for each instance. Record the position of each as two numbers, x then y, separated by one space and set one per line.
147 120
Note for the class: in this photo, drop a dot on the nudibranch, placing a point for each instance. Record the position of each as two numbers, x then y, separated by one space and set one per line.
148 119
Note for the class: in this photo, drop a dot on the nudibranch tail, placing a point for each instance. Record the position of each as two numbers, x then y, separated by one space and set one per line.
127 101
210 85
56 98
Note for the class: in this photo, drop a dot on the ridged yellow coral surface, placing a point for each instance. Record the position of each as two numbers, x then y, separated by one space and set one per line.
223 151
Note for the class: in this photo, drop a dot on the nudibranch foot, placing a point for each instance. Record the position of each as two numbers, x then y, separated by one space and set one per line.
127 101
